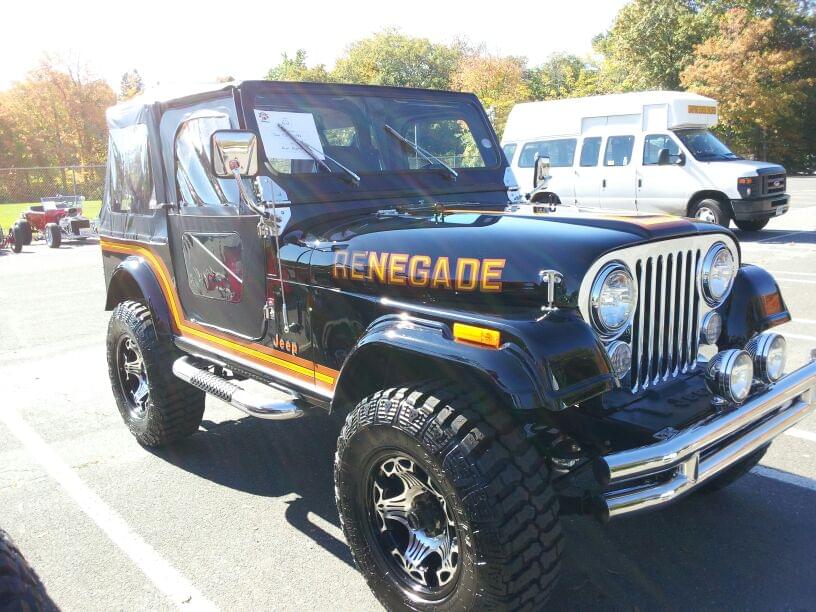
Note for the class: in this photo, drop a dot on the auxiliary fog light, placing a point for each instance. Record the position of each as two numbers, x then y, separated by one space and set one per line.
620 356
729 375
769 352
711 328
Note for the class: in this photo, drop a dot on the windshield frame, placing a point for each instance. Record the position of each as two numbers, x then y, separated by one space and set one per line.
682 134
426 181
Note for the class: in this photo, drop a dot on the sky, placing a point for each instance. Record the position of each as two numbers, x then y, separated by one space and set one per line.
174 42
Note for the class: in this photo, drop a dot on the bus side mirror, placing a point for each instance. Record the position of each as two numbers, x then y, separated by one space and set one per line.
663 157
234 152
541 172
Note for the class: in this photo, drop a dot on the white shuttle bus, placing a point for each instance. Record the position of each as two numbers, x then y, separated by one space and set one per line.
647 151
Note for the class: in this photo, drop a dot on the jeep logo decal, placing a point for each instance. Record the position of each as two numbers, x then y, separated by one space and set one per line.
459 274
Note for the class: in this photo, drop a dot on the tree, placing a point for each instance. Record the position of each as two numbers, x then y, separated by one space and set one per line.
295 69
497 81
392 58
562 76
131 85
649 44
764 92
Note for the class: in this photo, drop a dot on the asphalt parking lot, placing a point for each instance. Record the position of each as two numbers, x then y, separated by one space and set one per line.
241 516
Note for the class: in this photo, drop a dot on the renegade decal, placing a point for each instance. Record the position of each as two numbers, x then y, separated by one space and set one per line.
402 269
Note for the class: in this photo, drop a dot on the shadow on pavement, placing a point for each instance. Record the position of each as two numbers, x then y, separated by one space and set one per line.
748 547
802 236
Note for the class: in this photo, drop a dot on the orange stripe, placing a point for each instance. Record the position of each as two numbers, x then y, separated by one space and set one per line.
255 352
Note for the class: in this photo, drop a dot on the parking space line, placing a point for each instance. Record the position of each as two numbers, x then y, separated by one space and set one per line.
798 336
166 578
805 281
801 433
785 235
805 321
791 272
786 477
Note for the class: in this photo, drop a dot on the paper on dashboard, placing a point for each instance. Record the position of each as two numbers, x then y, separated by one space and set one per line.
278 145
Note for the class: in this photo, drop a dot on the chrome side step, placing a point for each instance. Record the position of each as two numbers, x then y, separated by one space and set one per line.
245 401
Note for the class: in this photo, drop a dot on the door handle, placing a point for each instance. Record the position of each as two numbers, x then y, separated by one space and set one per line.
640 182
603 184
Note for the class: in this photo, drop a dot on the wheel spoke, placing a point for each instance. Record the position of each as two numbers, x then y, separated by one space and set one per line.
141 392
419 548
449 552
391 508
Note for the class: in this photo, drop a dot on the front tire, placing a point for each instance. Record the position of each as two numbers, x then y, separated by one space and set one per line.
53 235
735 472
445 503
24 225
20 587
752 226
157 407
711 211
19 239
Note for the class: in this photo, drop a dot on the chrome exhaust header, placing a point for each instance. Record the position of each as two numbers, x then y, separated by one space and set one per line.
660 473
245 401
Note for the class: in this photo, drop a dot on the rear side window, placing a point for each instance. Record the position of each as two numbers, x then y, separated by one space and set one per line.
561 152
509 151
619 150
196 182
130 182
590 151
652 146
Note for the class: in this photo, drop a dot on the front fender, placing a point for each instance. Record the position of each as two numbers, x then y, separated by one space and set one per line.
755 305
132 279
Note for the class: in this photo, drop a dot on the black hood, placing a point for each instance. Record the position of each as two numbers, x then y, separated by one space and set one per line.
512 249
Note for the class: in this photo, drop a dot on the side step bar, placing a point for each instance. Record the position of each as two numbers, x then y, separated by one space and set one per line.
245 401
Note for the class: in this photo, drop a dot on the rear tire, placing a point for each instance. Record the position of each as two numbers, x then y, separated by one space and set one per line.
20 587
752 226
157 407
711 211
466 455
19 239
734 473
53 235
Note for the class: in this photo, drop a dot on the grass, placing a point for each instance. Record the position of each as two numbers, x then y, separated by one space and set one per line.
9 213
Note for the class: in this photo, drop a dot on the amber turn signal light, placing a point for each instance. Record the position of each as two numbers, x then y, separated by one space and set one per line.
476 335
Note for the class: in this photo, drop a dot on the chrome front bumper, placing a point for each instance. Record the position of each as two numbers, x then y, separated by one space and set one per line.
650 476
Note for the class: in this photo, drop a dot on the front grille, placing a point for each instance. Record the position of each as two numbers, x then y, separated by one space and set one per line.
774 183
665 334
78 224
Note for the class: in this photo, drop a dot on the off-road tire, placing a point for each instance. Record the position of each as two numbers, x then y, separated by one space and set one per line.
17 235
494 479
53 235
26 231
174 408
20 587
719 212
735 472
752 226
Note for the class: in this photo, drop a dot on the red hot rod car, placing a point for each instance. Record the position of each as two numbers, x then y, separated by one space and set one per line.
56 219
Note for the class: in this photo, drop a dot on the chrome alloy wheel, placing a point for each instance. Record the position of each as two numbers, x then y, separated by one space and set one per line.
704 213
413 524
132 376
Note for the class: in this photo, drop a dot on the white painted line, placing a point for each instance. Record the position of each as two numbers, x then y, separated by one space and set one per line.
791 272
798 336
169 581
804 321
803 434
784 235
805 281
786 477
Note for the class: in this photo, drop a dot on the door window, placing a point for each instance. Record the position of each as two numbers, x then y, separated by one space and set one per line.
196 182
652 146
590 151
619 150
561 152
130 182
509 151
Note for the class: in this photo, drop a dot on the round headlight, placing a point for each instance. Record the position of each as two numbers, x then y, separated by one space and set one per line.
730 374
620 356
769 352
711 328
613 298
718 272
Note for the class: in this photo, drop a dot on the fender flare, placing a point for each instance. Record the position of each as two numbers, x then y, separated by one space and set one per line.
755 305
133 279
509 370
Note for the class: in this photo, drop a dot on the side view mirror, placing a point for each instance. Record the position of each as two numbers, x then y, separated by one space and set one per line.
664 158
541 172
234 151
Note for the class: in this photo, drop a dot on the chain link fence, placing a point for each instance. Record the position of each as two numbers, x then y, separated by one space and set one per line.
25 185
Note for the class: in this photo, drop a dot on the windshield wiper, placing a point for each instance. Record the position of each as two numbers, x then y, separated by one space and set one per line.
429 157
311 152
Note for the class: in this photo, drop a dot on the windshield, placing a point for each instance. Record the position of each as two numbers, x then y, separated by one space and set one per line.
705 146
359 132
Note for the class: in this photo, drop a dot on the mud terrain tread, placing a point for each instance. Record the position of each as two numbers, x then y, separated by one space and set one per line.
176 407
20 587
504 478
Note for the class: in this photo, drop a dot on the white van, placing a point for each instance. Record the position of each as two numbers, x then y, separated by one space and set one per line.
646 151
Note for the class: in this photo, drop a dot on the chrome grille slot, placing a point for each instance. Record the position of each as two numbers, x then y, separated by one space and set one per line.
665 331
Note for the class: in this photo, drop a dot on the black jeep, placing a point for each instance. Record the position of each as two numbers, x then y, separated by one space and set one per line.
353 247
